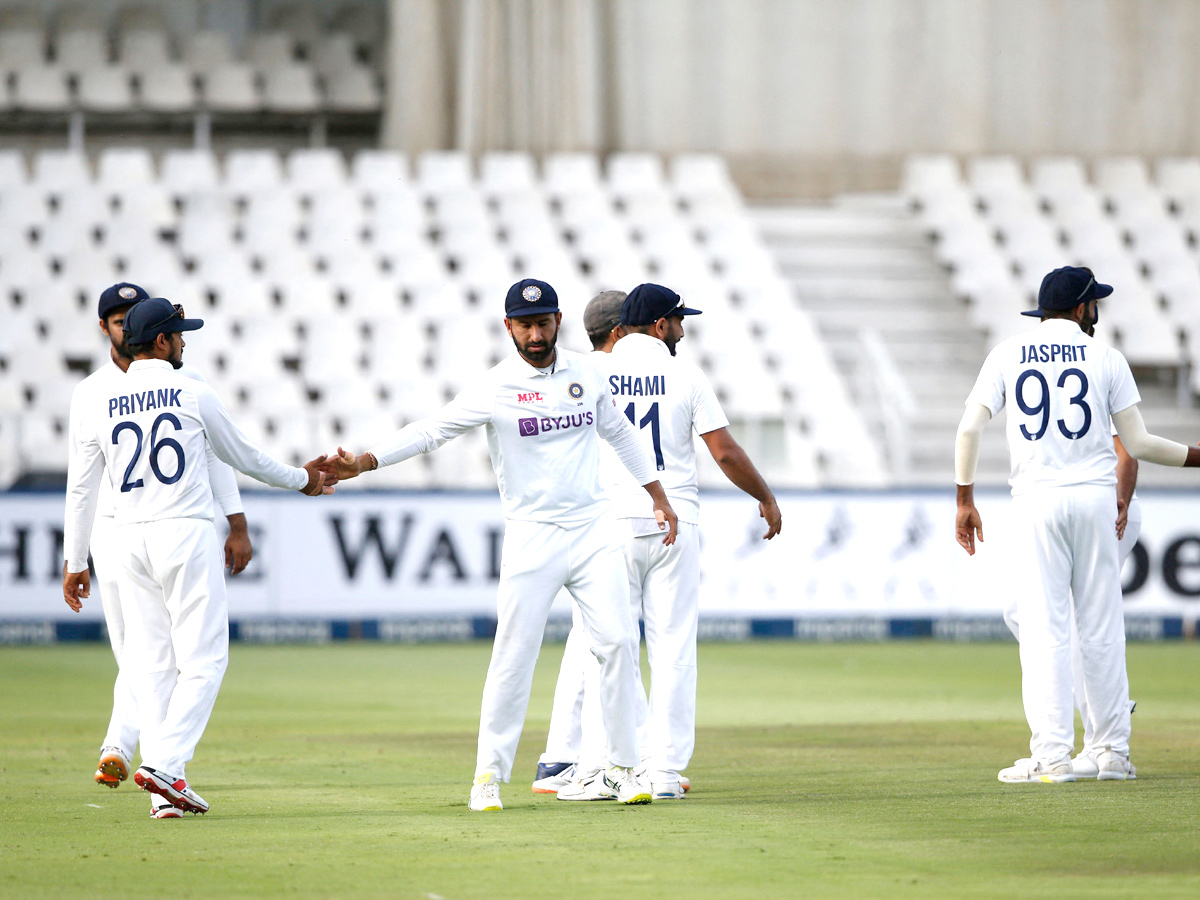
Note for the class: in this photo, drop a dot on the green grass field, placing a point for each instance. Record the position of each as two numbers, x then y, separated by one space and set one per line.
821 771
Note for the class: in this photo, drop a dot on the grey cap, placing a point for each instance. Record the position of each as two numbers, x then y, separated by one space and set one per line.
603 312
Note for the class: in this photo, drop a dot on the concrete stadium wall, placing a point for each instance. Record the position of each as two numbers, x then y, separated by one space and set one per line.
804 96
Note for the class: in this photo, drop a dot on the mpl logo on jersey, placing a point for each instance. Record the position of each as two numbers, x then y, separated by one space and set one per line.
529 397
531 426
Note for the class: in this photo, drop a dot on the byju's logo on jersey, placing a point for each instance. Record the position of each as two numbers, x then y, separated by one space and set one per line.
531 427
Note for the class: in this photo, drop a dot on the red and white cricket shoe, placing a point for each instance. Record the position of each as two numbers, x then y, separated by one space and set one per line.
175 790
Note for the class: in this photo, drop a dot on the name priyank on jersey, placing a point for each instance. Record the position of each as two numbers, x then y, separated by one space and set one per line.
638 386
1031 353
128 404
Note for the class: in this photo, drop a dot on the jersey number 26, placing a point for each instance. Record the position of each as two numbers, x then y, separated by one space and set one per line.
156 448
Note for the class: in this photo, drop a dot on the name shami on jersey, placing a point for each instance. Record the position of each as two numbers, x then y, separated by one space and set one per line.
638 385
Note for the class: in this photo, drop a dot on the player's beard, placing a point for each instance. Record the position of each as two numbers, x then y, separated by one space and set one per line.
538 356
176 357
121 347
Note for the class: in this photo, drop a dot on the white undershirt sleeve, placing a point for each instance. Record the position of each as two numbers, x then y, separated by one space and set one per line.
1142 445
623 438
233 447
470 409
966 443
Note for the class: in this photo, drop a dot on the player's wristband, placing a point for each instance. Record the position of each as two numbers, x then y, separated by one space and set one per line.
374 461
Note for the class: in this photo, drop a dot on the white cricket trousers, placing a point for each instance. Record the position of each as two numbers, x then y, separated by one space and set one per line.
176 633
537 560
107 560
1066 538
664 591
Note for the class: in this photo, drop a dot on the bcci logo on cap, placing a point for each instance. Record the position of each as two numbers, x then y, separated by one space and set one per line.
528 427
128 293
532 293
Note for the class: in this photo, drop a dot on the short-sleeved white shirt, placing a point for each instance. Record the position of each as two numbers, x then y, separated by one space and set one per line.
1061 388
669 401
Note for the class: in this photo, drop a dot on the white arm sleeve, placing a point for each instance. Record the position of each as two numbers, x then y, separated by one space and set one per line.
224 485
470 409
233 447
966 443
1142 445
622 437
84 471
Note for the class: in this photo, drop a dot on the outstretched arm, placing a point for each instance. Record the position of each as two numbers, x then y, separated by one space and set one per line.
1150 447
738 468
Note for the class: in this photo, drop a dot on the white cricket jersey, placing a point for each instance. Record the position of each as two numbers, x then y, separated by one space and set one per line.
541 426
1062 388
151 430
668 400
220 476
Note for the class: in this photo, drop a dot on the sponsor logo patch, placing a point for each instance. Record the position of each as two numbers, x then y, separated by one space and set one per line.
529 427
529 397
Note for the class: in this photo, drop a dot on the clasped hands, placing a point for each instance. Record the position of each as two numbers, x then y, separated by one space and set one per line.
328 469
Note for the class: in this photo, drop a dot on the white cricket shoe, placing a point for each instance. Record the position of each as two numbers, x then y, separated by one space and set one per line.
1114 766
1029 771
553 778
161 808
629 788
1084 765
588 785
174 790
667 790
485 794
113 767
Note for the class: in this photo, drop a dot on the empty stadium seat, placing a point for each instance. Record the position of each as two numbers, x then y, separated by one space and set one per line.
231 88
40 88
170 88
290 88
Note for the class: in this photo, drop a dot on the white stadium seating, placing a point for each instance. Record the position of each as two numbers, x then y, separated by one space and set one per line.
318 275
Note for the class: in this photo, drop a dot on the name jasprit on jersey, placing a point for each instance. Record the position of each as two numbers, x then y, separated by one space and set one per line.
638 386
1053 353
128 404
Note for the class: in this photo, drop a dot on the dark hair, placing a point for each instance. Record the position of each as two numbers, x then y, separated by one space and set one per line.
146 348
599 338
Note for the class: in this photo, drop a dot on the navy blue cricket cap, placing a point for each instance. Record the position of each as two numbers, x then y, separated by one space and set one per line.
150 318
530 297
647 303
123 294
1066 288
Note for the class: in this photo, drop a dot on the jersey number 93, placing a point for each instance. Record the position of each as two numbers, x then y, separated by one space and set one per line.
1042 406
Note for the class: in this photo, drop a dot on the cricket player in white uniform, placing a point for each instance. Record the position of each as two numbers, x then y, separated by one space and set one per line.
670 401
150 431
121 739
543 410
1064 388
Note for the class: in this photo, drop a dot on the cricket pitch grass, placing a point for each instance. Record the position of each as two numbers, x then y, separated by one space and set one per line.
848 770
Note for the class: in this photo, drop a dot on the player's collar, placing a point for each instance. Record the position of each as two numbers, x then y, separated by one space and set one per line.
637 341
560 364
150 364
1070 324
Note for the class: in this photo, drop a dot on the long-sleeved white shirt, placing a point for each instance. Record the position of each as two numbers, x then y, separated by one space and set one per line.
151 432
542 426
220 476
